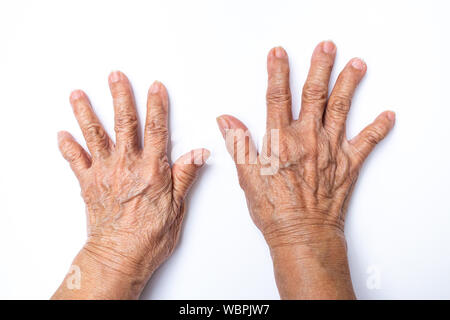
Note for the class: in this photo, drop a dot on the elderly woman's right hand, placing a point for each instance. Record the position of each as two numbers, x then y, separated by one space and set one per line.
134 198
298 189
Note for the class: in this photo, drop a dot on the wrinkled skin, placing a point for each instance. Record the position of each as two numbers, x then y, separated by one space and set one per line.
134 198
300 209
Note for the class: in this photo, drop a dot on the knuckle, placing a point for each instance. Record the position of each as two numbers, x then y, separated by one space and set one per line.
97 142
126 121
314 91
156 128
311 153
311 127
70 153
374 135
157 121
310 149
278 94
340 104
285 146
284 152
93 130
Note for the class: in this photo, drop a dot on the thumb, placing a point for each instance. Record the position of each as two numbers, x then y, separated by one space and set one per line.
240 146
238 140
185 171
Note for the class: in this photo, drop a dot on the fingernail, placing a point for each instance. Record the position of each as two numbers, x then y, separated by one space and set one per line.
155 87
358 64
391 116
223 125
280 52
76 94
197 157
328 47
206 154
61 135
115 76
200 156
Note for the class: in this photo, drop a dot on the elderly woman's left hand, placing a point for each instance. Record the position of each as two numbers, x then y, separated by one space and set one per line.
299 187
134 198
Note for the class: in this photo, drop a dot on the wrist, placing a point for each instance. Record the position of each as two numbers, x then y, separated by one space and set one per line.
310 262
308 232
126 262
312 274
102 275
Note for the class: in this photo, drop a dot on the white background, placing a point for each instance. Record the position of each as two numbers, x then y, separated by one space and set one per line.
211 55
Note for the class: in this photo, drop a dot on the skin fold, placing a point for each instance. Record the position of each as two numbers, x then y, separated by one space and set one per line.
134 198
301 207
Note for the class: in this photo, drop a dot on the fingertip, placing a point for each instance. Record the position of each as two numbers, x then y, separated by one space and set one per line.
157 88
271 53
195 157
65 140
63 135
280 53
116 76
358 64
200 156
328 47
277 52
223 124
157 96
186 169
231 122
206 154
277 62
76 95
324 50
391 115
73 152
